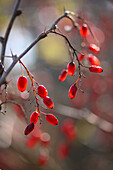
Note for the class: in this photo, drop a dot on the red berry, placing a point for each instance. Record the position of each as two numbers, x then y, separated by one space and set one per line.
84 30
43 160
93 60
34 117
81 57
48 102
52 119
31 141
63 75
42 91
95 69
22 83
94 48
71 68
72 91
63 150
29 128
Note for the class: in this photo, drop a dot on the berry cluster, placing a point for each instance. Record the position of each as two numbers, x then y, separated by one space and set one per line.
41 91
94 63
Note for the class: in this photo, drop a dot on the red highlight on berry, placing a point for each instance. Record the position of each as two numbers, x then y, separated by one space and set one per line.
95 69
29 128
84 30
63 75
34 117
22 83
42 91
48 102
52 119
71 68
72 91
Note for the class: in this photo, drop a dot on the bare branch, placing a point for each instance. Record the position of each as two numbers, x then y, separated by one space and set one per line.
5 39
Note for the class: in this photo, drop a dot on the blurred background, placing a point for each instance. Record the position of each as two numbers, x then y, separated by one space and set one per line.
83 140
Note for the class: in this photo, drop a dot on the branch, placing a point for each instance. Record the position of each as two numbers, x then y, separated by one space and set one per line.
5 39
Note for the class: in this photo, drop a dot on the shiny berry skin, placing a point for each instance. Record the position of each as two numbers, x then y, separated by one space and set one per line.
71 68
42 91
29 128
48 102
93 60
94 48
22 83
34 117
52 119
95 69
63 75
72 91
84 30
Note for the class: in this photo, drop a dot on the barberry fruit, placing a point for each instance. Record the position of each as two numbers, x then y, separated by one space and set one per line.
72 91
29 128
48 102
93 60
71 68
84 30
43 159
42 91
63 75
95 69
52 119
22 83
94 48
34 117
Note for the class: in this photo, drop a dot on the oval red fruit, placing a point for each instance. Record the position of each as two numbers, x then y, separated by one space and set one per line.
84 30
93 60
71 68
34 117
22 83
42 91
63 75
95 69
94 48
72 91
48 102
29 128
52 119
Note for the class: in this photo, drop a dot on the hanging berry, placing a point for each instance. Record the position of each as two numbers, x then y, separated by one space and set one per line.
52 119
22 83
48 102
72 91
29 128
42 91
71 68
94 48
34 117
63 75
81 57
95 69
84 30
93 60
